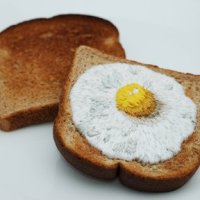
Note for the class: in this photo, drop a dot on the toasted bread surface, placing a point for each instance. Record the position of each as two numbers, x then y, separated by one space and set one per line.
164 176
35 57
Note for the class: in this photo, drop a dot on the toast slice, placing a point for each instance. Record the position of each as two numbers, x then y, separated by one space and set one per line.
165 176
36 55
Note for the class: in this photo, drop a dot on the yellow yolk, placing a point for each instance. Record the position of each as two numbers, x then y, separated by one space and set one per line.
135 100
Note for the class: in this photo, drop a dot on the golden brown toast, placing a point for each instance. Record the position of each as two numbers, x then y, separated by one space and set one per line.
164 176
35 57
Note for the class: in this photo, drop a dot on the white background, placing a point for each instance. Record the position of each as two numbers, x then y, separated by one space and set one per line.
165 33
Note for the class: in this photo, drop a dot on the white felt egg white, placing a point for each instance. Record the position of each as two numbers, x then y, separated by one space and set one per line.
150 139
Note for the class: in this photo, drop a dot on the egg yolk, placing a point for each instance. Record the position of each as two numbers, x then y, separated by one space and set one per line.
135 100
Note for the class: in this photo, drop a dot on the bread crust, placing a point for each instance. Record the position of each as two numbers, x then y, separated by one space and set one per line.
153 185
85 165
30 116
35 58
162 177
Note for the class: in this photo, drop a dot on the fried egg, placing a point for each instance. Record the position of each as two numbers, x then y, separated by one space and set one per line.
130 112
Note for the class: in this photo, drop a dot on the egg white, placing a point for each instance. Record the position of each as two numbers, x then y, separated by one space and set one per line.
118 135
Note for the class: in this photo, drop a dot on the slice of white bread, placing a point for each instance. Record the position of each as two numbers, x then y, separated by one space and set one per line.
36 55
165 176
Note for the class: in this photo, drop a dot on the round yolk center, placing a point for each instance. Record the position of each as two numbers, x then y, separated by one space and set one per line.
135 100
